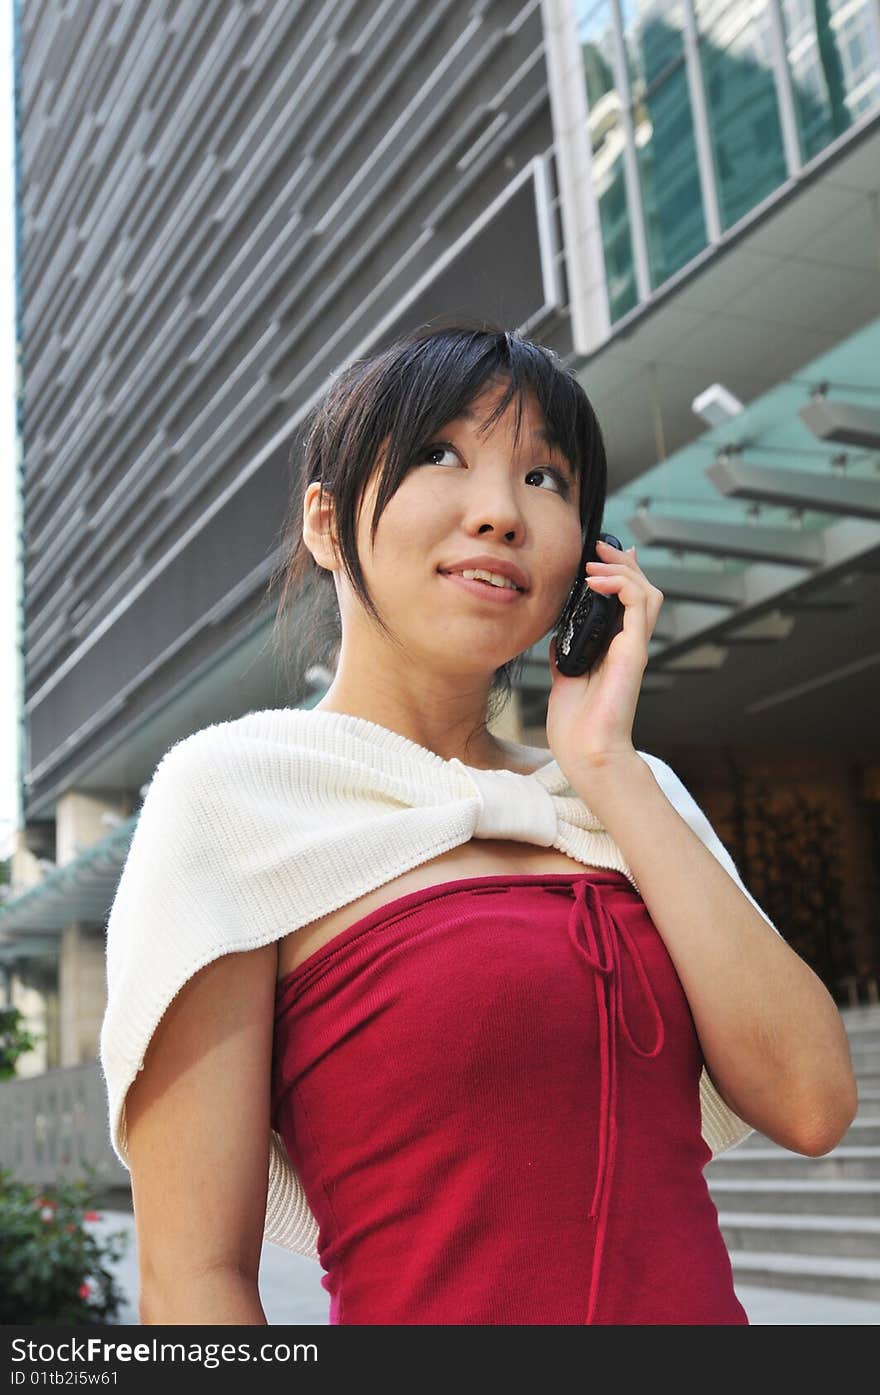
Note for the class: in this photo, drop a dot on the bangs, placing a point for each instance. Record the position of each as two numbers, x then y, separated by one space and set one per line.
434 379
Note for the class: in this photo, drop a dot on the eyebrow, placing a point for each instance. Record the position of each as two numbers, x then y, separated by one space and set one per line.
540 433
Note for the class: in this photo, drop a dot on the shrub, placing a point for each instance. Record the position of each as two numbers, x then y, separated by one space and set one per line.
53 1269
15 1040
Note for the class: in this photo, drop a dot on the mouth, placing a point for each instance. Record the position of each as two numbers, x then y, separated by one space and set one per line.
484 590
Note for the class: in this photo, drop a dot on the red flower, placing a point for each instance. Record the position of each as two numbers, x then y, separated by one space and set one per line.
91 1216
84 1290
70 1227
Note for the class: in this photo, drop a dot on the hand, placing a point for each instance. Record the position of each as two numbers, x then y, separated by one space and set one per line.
590 718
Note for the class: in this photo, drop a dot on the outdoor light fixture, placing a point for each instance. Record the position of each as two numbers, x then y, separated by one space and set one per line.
845 423
716 405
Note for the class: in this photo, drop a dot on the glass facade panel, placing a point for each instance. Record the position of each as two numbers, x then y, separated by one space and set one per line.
664 135
607 140
833 52
737 64
834 59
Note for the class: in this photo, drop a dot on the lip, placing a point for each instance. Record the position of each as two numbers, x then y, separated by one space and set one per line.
494 595
487 563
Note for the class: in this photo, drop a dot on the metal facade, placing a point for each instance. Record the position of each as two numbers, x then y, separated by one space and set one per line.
219 206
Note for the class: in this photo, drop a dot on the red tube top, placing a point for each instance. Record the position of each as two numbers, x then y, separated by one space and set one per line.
490 1091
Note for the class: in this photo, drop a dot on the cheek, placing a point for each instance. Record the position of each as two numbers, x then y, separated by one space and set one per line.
568 555
415 517
403 540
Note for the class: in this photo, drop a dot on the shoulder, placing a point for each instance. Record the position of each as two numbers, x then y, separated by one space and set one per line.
213 751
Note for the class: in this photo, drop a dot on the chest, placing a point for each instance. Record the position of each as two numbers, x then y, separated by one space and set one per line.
481 857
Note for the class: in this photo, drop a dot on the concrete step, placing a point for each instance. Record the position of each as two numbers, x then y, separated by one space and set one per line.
810 1225
864 1131
854 1278
789 1307
861 1028
784 1196
867 1076
844 1237
859 1032
854 1164
865 1015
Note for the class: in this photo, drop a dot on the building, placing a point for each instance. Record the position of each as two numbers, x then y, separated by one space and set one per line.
220 205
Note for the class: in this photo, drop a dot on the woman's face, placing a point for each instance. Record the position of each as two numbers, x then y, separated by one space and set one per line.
470 494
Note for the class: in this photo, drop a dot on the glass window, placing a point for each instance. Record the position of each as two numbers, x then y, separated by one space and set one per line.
834 59
736 59
607 141
663 125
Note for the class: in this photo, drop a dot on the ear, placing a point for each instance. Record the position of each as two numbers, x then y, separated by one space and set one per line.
319 526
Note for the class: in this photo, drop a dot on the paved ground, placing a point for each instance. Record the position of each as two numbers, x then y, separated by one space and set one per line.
291 1292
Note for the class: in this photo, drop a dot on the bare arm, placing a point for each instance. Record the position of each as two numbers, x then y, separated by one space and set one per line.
198 1145
771 1035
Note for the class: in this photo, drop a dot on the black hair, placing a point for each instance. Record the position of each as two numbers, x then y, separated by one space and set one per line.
399 396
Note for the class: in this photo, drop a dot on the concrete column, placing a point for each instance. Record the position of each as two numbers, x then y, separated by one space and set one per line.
83 818
32 992
81 993
24 866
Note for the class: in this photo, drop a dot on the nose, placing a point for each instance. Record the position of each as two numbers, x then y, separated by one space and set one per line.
492 505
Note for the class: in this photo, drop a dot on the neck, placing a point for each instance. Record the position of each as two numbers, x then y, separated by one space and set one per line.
465 737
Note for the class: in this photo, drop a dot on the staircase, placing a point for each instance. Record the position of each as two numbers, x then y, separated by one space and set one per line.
812 1224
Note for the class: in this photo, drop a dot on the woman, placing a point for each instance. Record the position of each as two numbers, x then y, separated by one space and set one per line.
480 1017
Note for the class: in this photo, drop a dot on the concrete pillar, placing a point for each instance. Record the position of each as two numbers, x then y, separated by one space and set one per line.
24 867
81 993
83 818
32 992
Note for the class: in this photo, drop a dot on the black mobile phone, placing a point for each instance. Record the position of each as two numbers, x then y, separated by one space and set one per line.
588 621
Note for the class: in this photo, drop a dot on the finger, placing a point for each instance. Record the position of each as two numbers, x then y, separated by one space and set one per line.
616 558
630 591
605 549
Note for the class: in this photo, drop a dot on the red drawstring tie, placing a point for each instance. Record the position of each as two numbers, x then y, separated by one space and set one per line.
592 922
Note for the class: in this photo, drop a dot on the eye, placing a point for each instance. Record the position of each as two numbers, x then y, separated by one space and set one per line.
435 448
431 454
557 475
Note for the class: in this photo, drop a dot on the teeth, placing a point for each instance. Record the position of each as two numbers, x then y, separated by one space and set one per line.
494 577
